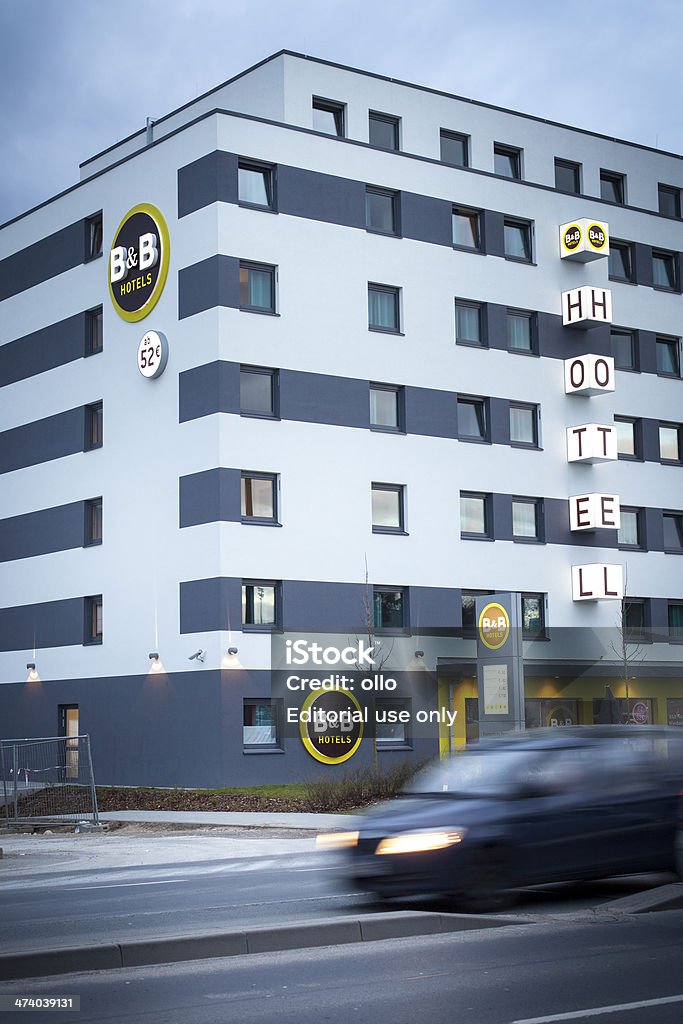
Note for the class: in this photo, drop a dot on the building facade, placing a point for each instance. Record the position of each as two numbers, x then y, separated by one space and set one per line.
327 353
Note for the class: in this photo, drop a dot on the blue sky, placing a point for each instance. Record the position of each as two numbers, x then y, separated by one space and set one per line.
76 75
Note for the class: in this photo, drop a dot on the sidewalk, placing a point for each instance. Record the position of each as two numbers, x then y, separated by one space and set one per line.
241 819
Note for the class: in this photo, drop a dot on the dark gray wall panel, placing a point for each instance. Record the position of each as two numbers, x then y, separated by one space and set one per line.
42 260
211 179
425 219
323 606
43 350
493 232
50 624
430 413
434 609
213 282
499 416
321 398
210 497
205 390
211 605
38 533
501 514
323 197
647 351
649 432
652 523
43 440
642 260
496 326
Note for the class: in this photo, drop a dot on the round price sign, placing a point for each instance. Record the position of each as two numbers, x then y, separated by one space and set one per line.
152 354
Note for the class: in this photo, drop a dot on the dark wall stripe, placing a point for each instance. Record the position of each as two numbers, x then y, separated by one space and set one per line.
44 259
43 440
210 497
321 197
38 533
43 350
211 179
50 624
213 282
204 390
320 398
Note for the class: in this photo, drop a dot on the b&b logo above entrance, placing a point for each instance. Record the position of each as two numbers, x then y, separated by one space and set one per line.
138 262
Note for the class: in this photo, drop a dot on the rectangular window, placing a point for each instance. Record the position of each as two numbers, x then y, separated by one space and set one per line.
507 161
383 308
257 287
669 200
468 323
627 438
623 349
381 210
94 340
259 498
387 508
259 604
628 535
383 130
465 228
392 717
673 531
455 148
524 424
68 727
390 610
620 261
669 442
255 185
664 269
474 515
613 187
633 619
472 419
675 619
261 723
93 522
385 407
93 620
94 236
328 117
93 426
468 605
520 332
258 391
668 357
533 616
517 240
568 176
526 518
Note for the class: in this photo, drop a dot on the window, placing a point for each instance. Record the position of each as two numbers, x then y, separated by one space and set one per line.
262 723
93 426
472 419
258 391
613 187
383 308
392 718
517 239
328 117
455 148
93 236
520 331
465 228
474 515
94 339
664 270
533 616
673 531
93 620
385 407
526 516
668 357
383 130
507 161
669 200
259 498
257 287
620 261
381 210
93 522
633 619
627 438
524 424
623 349
387 508
259 604
468 323
669 442
629 533
568 176
255 185
468 605
675 619
390 610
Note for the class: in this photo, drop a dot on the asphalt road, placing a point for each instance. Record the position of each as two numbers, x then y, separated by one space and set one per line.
534 974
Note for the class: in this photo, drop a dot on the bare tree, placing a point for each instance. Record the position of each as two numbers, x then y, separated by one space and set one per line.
381 654
627 646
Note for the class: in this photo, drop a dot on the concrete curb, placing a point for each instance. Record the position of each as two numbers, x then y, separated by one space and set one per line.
266 939
664 897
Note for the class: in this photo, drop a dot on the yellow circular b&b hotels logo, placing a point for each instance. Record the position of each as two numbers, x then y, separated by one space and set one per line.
571 238
494 626
138 262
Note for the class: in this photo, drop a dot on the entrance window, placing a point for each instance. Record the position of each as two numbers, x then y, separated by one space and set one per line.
68 726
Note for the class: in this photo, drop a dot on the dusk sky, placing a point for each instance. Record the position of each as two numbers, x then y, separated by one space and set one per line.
79 74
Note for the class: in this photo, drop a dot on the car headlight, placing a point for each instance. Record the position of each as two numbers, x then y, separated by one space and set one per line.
336 840
420 842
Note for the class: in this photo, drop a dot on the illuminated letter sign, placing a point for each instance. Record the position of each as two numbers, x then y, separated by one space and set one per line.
586 307
584 240
594 512
591 442
138 262
588 375
597 582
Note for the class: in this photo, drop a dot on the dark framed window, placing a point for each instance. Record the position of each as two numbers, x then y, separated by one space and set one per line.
475 515
259 391
466 228
262 723
668 356
93 238
675 621
634 619
533 616
517 239
393 717
664 270
472 419
628 437
629 534
669 200
93 426
383 130
384 308
390 608
624 348
670 442
673 531
256 184
94 337
260 604
568 176
257 287
93 522
507 161
526 519
521 335
386 407
258 496
620 261
469 323
93 620
623 711
455 148
388 508
613 187
328 117
468 608
381 210
524 424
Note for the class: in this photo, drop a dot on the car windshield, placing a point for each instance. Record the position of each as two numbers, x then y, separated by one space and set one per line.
478 773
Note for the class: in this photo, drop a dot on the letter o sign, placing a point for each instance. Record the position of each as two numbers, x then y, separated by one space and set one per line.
588 375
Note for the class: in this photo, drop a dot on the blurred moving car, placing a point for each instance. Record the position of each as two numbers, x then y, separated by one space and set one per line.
544 806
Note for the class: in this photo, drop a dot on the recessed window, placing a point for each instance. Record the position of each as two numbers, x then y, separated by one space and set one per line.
524 424
568 176
673 531
668 357
669 200
613 187
94 338
255 185
520 332
257 287
93 236
623 349
258 391
392 723
634 618
517 239
262 727
93 426
507 161
93 522
474 515
526 518
385 407
328 117
384 308
466 228
455 148
533 616
387 508
669 442
383 130
259 604
675 620
627 437
629 533
389 608
259 498
93 620
620 261
381 210
472 419
468 323
664 270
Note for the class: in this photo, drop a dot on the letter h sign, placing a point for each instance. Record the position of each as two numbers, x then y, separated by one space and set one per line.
586 307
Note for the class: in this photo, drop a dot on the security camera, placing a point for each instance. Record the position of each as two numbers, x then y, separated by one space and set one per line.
198 655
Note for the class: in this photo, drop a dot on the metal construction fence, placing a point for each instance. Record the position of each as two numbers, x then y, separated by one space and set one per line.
48 780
